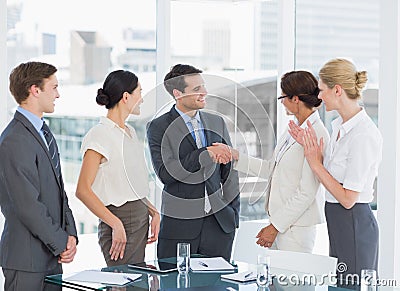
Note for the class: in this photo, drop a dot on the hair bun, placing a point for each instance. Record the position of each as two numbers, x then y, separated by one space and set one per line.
318 103
316 91
361 80
102 98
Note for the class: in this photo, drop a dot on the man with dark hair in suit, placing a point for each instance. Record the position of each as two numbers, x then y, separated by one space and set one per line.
200 199
39 231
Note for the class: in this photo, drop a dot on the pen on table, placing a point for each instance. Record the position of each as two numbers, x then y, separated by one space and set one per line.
248 274
128 278
203 264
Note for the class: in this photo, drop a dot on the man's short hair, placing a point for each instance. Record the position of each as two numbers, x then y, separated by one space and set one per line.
27 74
175 77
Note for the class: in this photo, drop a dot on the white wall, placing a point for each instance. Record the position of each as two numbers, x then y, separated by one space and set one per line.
389 125
286 47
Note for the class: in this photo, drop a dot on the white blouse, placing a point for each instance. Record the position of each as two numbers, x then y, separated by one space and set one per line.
353 158
123 175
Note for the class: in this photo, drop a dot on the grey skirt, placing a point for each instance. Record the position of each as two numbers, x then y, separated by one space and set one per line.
353 238
135 218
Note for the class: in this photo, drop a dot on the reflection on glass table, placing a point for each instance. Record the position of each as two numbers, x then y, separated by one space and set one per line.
282 280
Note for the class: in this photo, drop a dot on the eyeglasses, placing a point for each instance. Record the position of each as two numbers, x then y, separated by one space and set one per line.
291 96
284 96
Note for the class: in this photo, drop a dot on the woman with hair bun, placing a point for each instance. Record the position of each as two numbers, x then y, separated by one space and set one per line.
294 200
113 182
349 168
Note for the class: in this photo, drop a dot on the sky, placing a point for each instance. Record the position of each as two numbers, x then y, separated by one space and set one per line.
110 17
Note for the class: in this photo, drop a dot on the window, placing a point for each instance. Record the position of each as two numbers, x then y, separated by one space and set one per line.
84 53
239 63
326 30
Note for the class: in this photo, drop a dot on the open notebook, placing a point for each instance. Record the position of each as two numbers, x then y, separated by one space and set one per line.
217 264
108 278
243 277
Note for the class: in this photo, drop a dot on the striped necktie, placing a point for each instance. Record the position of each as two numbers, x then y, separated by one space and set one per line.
199 144
52 146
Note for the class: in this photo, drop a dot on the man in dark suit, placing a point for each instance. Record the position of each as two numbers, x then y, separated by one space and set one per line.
200 199
39 231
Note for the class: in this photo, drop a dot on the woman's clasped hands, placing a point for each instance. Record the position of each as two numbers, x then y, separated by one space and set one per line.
308 139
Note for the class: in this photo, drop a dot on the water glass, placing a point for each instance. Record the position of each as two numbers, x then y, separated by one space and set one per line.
368 280
183 280
263 271
182 257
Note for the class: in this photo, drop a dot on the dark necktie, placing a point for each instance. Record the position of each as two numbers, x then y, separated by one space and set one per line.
51 143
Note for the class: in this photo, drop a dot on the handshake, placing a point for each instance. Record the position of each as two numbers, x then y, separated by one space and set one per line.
222 153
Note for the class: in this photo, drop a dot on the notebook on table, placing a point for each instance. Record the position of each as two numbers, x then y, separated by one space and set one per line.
217 264
242 277
155 266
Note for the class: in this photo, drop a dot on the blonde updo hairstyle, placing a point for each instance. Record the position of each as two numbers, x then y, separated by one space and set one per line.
343 72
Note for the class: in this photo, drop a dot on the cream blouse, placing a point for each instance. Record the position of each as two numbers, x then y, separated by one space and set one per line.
123 175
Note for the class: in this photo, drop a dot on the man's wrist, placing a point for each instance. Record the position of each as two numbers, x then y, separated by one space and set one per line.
210 152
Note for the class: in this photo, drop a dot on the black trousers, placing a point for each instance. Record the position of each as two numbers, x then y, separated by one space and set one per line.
15 280
353 238
212 241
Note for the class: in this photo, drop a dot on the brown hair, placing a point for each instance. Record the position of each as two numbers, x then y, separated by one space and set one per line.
343 72
302 84
115 85
175 77
27 74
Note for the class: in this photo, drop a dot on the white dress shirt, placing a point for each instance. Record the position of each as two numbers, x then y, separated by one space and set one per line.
353 158
186 118
123 175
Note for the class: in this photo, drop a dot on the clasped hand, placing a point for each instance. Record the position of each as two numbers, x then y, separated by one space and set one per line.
266 236
222 153
308 139
67 256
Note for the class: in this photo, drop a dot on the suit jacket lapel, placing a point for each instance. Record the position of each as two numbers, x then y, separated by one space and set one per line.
279 146
179 125
281 143
28 125
291 143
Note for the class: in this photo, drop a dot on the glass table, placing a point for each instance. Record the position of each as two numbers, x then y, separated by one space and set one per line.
282 280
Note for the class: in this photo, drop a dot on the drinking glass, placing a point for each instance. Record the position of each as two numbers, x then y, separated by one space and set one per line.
368 280
183 280
182 257
263 271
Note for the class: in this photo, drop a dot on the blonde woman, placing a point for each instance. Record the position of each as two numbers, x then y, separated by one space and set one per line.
349 168
113 179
